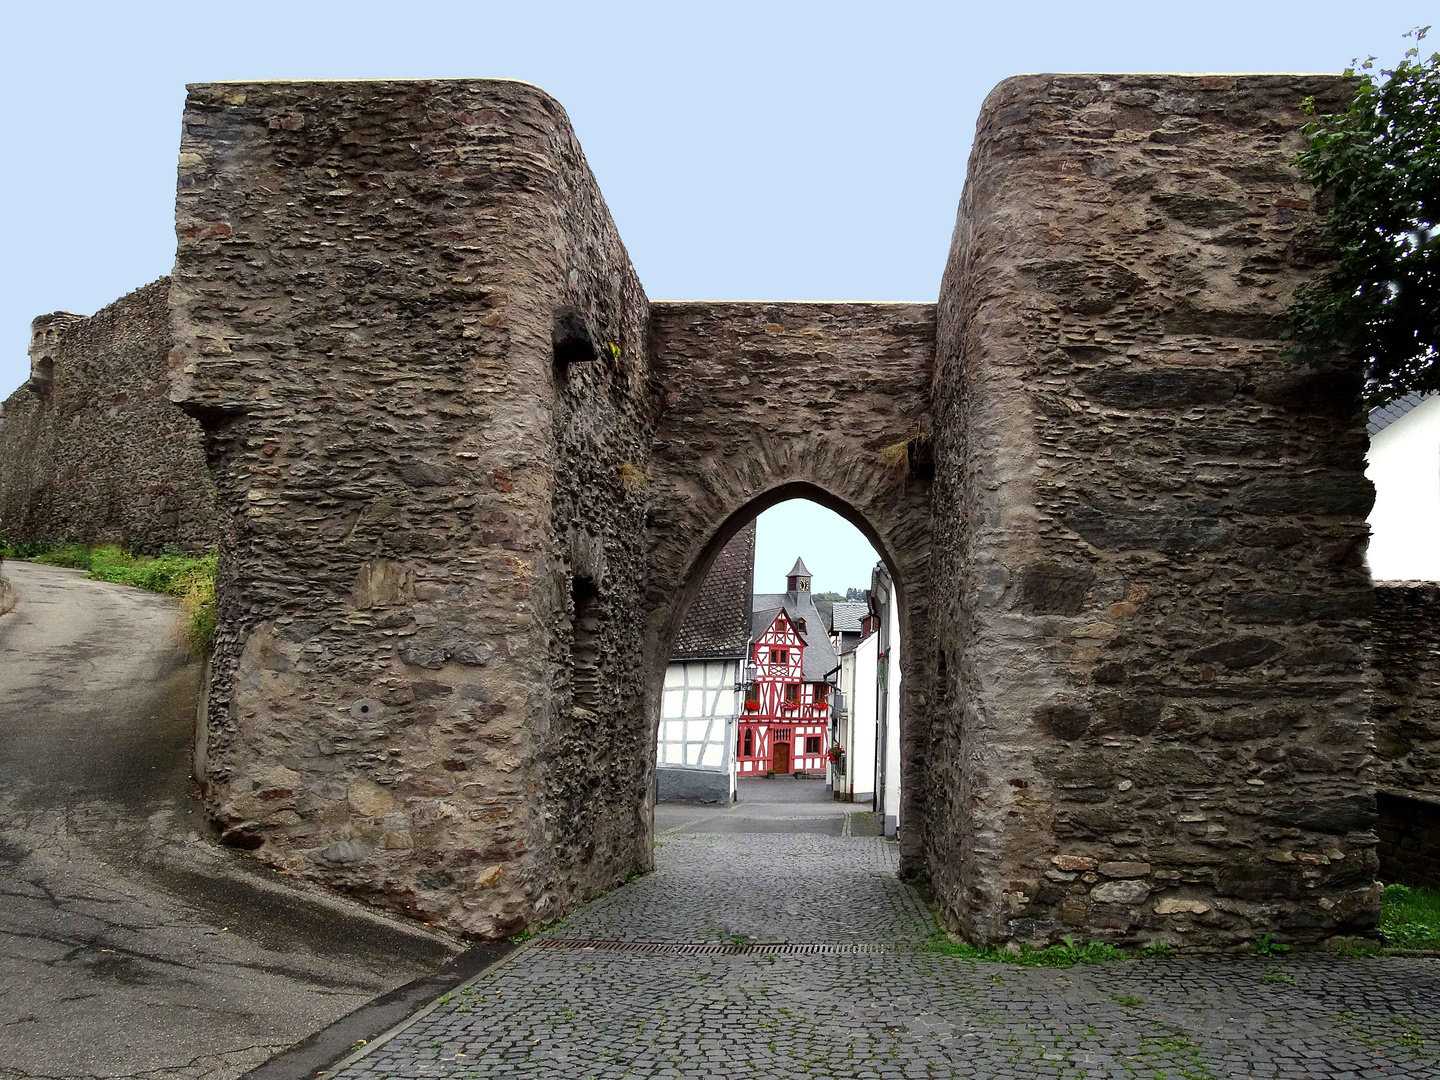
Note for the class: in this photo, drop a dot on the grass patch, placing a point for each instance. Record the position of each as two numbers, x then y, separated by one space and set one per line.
1410 917
190 577
1060 956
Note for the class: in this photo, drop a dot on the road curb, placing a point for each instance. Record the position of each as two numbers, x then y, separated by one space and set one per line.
377 1020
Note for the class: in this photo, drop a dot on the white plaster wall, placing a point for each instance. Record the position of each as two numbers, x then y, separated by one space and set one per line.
698 708
892 719
860 750
1404 466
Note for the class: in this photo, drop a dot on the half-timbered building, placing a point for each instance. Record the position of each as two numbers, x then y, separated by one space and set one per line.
785 725
700 704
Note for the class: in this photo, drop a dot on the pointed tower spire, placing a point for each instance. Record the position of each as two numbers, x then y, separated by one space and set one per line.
798 580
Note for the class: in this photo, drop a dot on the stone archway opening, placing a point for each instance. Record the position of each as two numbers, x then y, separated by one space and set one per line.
796 573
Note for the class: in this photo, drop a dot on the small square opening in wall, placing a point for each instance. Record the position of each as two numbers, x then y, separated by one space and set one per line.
812 744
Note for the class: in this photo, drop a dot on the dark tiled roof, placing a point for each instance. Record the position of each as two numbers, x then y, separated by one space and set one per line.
847 615
1386 415
718 622
820 658
798 570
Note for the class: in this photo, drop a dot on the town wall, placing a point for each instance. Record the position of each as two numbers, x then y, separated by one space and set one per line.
1151 599
472 480
1405 662
91 450
417 346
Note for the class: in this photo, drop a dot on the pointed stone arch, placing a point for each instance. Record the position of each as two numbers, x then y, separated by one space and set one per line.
770 402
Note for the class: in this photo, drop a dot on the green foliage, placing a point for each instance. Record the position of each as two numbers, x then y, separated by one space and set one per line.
190 577
1276 977
1380 163
1410 917
73 556
1266 947
1062 956
1130 1001
1158 950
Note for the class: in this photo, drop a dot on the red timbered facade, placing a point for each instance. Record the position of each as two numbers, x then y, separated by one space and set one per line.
785 720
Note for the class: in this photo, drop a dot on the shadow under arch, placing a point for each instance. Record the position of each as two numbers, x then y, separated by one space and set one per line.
665 627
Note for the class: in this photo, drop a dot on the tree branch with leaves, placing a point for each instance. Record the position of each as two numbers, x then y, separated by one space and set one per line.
1379 163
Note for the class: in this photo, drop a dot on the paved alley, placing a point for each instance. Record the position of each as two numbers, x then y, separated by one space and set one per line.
774 940
129 944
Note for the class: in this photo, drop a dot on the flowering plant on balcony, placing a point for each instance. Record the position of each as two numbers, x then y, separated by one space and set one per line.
752 706
835 753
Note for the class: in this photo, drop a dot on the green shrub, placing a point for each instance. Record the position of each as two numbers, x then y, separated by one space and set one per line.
197 604
1410 917
74 556
24 551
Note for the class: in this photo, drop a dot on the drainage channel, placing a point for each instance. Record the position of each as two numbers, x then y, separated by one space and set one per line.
684 948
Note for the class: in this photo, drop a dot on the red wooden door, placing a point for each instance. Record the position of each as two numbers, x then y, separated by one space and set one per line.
782 757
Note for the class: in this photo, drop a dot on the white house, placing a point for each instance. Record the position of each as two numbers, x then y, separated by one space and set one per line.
853 778
1404 466
887 699
701 701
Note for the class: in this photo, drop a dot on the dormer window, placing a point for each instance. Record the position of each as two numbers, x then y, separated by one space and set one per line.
800 625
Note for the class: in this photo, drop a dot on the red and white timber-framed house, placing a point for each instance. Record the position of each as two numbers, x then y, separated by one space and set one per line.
785 721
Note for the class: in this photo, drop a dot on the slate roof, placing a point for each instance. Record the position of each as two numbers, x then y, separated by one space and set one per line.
798 570
820 658
1386 415
846 616
718 623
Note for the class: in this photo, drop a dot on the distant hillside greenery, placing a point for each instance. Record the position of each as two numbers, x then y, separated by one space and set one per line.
190 577
1378 163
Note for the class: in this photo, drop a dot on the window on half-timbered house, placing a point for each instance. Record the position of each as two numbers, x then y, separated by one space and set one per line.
749 748
821 690
780 656
812 744
792 691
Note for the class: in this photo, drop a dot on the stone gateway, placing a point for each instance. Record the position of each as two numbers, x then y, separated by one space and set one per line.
471 477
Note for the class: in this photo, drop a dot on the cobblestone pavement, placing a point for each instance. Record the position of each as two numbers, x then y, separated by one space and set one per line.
562 1008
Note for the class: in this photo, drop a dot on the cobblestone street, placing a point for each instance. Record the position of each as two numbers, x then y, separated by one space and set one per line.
650 981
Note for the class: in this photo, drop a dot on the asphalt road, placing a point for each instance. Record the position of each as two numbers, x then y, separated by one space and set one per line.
130 943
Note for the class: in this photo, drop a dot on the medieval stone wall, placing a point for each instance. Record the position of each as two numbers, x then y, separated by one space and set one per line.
419 351
1151 602
764 402
91 449
1405 664
472 479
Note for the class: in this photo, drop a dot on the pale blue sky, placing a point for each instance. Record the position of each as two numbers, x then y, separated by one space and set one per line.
836 554
747 150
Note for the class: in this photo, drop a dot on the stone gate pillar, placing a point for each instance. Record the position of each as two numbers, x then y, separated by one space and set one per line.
1149 529
403 315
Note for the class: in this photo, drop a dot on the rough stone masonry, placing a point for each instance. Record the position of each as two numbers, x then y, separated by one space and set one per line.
91 450
471 477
